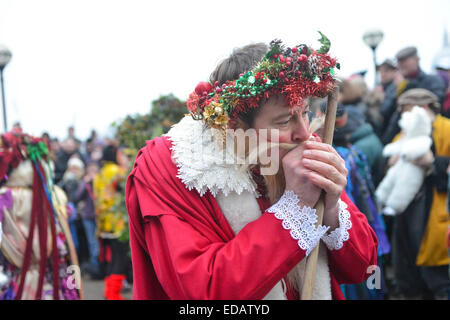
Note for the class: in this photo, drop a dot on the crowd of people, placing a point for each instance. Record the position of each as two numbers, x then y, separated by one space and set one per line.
379 138
93 176
412 233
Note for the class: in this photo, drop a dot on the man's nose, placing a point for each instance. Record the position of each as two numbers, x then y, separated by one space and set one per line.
300 132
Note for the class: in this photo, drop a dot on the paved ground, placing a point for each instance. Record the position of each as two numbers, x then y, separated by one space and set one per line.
93 290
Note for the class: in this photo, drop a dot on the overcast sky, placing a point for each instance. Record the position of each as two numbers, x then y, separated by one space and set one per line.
89 63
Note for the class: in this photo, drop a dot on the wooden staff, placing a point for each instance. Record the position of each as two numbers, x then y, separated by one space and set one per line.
327 137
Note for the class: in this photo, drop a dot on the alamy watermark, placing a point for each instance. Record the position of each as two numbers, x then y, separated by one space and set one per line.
374 280
74 277
243 147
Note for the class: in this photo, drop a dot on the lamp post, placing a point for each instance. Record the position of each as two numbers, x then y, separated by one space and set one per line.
372 38
5 56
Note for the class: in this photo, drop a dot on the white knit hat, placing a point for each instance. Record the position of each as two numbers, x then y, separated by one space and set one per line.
75 162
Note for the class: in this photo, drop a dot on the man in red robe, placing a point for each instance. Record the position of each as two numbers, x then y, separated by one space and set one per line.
202 227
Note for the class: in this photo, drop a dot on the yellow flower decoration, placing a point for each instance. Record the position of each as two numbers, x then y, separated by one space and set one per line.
209 111
221 120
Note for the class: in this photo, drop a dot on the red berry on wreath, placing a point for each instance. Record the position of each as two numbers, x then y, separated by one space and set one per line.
202 88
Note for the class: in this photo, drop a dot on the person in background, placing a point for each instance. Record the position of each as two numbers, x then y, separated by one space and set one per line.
84 198
112 220
46 137
389 77
361 190
447 243
69 183
357 130
17 127
352 92
93 148
68 149
419 255
55 147
411 77
71 135
373 100
96 140
88 149
443 71
33 265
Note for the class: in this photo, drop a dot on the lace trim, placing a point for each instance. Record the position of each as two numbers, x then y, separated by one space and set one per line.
300 221
335 240
202 165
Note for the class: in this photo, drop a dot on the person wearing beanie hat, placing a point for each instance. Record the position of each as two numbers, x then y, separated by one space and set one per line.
419 256
204 225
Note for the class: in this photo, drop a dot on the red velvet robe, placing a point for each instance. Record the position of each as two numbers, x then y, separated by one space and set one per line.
183 247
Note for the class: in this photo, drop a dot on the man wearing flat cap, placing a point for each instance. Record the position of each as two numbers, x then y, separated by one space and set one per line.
408 65
420 256
413 77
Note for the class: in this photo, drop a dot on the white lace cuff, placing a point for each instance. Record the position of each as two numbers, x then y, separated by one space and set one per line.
300 221
335 240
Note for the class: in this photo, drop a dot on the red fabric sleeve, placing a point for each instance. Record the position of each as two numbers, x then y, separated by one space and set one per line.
189 265
350 263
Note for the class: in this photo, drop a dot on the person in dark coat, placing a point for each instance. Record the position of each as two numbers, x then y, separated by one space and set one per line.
413 77
388 85
443 71
352 128
419 256
68 149
84 198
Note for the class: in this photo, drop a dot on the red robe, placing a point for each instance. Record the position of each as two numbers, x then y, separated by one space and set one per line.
183 247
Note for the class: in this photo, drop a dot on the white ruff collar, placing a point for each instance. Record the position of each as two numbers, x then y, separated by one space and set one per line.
202 165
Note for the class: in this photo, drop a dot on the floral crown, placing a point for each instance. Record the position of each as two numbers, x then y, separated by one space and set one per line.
16 147
296 73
